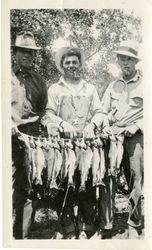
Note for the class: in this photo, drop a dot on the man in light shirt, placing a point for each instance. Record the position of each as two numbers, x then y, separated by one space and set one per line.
75 107
123 104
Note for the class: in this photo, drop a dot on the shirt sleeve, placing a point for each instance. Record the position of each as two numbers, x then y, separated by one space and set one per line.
139 124
106 107
106 101
98 116
51 115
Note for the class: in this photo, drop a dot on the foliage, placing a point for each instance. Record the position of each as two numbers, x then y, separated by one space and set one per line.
97 33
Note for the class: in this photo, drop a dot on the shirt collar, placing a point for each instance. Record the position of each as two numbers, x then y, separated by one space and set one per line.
63 82
134 79
73 91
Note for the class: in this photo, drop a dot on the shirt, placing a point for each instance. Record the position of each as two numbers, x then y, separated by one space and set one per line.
123 102
78 105
36 94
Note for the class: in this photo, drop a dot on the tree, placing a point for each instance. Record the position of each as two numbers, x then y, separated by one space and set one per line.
97 33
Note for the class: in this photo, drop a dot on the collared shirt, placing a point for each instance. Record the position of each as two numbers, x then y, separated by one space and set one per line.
123 102
77 105
36 94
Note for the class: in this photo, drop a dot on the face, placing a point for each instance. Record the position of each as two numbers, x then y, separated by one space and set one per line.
127 65
71 66
25 57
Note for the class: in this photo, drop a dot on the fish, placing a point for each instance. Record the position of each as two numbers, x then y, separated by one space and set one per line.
98 162
28 162
71 169
50 162
95 163
39 161
34 167
67 145
77 152
116 154
120 150
86 156
102 166
64 155
113 156
33 160
57 165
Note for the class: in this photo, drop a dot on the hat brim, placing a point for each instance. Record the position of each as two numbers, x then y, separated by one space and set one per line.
126 53
27 47
59 55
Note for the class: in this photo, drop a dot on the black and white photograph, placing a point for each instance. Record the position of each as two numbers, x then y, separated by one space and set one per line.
77 130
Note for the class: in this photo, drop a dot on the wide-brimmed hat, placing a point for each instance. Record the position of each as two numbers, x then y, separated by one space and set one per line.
128 48
67 51
25 39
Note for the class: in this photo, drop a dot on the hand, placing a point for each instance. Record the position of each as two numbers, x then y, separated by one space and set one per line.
108 130
131 130
88 131
68 129
53 129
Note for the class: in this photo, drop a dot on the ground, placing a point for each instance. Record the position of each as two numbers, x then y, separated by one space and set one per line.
46 221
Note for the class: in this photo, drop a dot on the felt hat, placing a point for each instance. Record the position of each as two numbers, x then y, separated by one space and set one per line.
68 51
25 39
128 48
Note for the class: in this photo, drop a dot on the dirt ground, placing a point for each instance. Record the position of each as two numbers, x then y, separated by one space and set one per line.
46 222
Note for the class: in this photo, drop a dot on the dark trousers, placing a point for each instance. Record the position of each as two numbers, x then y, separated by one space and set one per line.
22 206
132 164
134 147
73 221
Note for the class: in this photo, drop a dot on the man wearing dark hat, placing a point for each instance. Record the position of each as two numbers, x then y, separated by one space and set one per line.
29 98
76 107
123 104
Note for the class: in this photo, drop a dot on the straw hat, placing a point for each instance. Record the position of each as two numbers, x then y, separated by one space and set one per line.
67 51
25 39
128 48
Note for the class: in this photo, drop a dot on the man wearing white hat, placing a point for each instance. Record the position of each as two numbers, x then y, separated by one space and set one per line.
123 104
75 106
29 98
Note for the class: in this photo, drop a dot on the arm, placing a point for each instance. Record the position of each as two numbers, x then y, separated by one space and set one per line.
132 129
51 108
106 106
51 120
98 116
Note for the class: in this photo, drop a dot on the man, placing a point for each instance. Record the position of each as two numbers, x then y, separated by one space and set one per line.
29 98
123 104
75 106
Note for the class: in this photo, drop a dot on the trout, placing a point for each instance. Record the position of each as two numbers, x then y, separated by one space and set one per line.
39 161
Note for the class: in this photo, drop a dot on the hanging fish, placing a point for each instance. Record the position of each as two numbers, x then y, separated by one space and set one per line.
102 164
39 161
113 156
33 155
116 154
85 164
57 165
77 152
63 154
72 161
120 150
95 163
50 161
28 162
